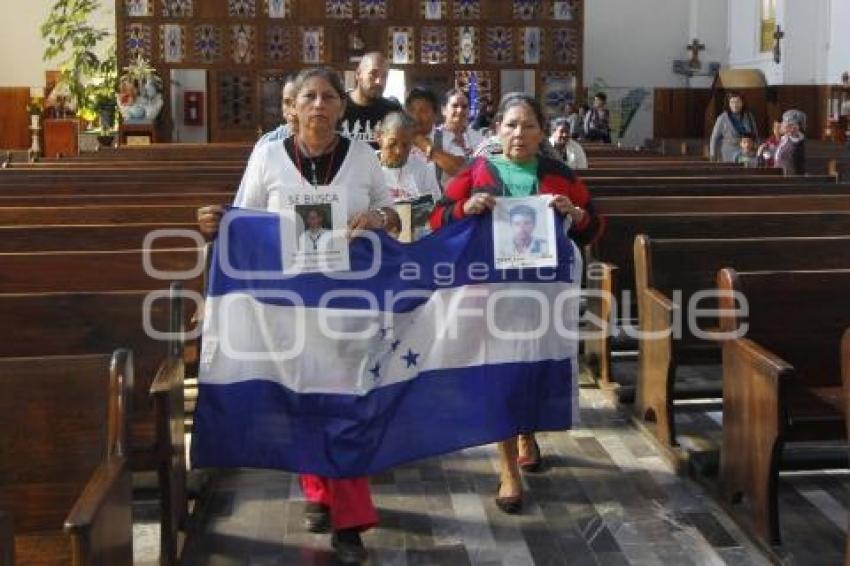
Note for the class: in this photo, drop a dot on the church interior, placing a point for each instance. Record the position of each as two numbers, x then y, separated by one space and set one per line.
691 161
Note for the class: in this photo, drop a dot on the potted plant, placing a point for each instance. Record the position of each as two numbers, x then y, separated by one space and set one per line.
85 71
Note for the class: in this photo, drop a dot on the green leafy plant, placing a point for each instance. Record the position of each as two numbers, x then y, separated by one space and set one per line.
90 77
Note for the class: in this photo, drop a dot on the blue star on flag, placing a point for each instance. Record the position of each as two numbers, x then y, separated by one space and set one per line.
376 371
395 344
411 358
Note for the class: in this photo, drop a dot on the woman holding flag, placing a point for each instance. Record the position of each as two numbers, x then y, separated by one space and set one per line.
316 155
519 172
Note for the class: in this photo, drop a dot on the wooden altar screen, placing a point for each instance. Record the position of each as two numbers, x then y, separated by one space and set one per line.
248 46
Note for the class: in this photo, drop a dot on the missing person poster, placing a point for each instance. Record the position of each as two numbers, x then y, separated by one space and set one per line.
314 230
524 233
414 216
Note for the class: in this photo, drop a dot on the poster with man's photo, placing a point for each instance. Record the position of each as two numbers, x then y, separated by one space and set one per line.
314 227
524 233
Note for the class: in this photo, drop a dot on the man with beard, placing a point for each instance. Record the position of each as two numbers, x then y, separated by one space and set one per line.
366 106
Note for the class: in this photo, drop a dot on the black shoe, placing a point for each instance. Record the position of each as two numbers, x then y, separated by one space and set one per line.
348 546
512 505
317 518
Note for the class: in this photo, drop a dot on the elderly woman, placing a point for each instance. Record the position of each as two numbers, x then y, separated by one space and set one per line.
316 155
791 151
734 122
519 171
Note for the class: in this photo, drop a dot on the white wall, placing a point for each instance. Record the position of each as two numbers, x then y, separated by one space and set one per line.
815 49
21 44
838 49
632 43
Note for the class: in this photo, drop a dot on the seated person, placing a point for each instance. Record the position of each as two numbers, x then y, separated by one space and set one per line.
747 155
569 150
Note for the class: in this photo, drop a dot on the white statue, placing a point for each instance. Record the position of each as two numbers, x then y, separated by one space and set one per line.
140 107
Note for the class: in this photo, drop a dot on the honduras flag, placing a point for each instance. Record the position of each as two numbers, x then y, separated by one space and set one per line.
421 349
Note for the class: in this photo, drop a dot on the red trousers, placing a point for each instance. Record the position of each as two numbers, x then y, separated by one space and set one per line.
348 500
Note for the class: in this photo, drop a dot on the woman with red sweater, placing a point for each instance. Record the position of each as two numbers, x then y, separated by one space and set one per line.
519 172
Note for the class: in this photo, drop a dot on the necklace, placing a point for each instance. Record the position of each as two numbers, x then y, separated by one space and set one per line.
312 160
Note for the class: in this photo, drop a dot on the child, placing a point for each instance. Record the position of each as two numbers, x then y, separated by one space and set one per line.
408 180
767 150
747 156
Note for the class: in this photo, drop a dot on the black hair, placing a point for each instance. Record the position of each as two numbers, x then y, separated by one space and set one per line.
512 99
454 92
523 210
422 93
323 72
601 96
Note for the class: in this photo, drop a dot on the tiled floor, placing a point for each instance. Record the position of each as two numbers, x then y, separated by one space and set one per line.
606 497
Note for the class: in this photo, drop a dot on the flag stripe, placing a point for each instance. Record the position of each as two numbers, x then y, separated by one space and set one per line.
260 424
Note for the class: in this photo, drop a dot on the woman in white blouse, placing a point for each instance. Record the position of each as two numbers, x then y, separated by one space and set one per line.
316 155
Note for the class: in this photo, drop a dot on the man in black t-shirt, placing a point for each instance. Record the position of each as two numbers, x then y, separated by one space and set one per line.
366 105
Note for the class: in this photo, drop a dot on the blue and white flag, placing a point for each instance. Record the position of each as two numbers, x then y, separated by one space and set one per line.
420 350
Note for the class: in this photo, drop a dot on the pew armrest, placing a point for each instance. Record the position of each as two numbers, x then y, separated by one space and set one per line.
168 377
652 396
764 364
100 522
598 330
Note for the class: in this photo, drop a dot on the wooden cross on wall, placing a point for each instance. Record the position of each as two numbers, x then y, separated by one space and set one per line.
695 47
777 49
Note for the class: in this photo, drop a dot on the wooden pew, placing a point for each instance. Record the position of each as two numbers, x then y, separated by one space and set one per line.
68 486
85 187
611 265
82 323
642 180
689 266
726 203
781 380
7 540
197 199
788 186
97 214
723 171
107 237
845 380
122 270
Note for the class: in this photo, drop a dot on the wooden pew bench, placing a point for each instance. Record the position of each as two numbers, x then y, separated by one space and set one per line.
94 187
690 266
108 237
84 323
64 476
781 380
193 198
787 186
97 214
616 179
725 203
678 171
611 265
91 271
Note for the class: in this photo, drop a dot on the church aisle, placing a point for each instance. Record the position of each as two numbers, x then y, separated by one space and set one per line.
606 497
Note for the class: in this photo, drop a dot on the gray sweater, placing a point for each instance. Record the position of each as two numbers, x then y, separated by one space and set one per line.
725 141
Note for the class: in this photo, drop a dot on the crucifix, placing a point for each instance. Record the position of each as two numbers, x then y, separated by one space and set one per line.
695 47
777 49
